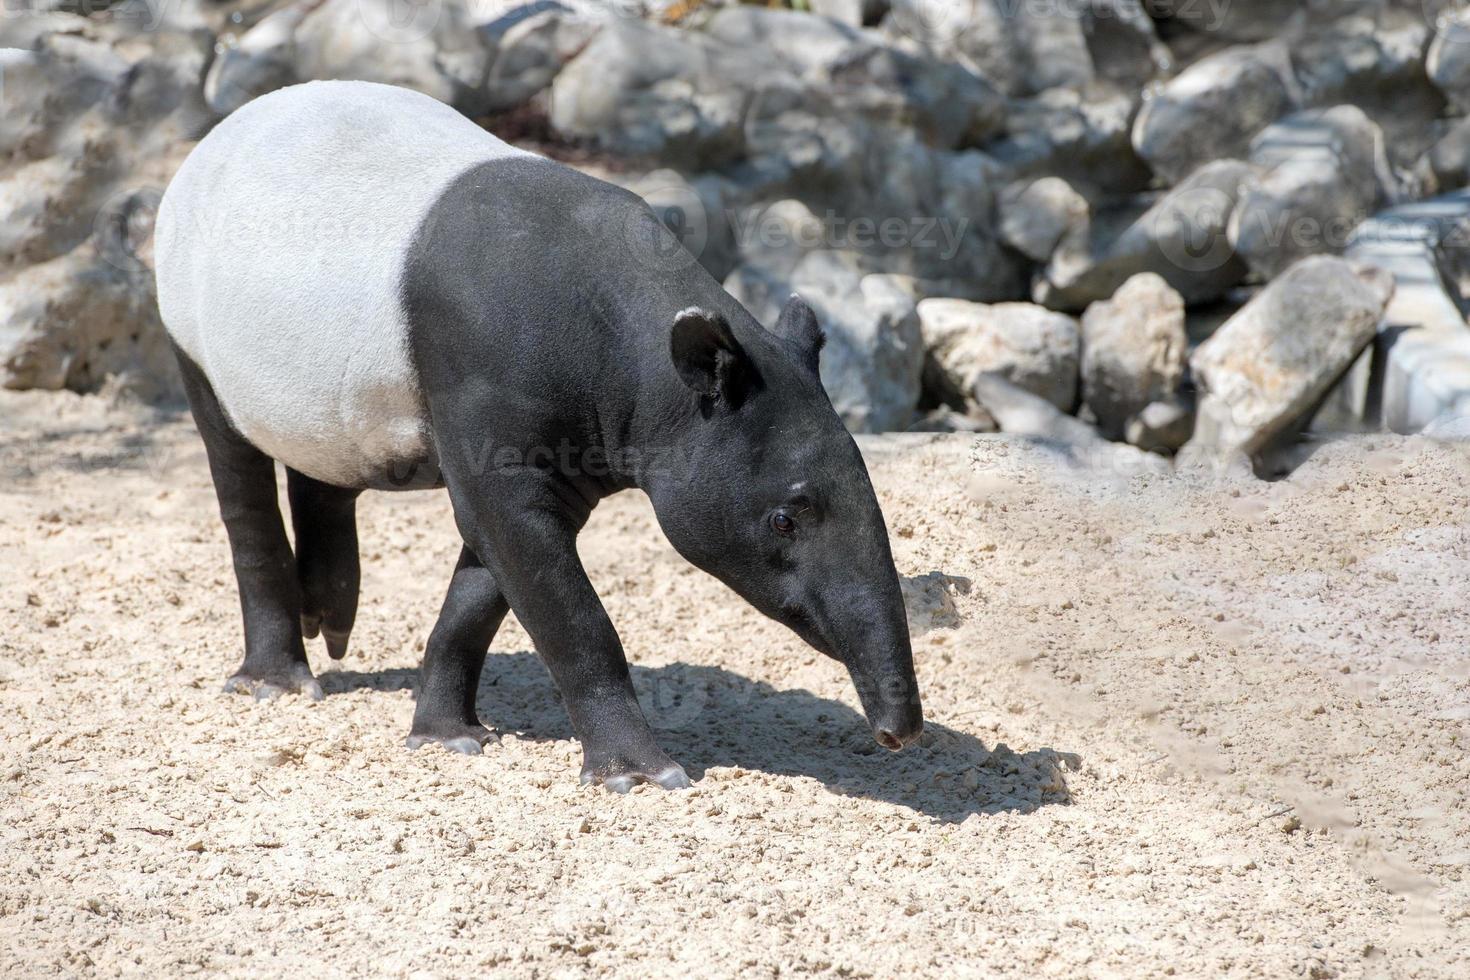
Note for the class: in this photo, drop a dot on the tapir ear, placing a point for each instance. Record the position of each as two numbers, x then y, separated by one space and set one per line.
799 325
706 354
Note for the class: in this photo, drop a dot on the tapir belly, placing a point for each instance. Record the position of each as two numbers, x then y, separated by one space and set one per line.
281 248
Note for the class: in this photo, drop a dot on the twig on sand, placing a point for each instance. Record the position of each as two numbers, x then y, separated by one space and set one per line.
155 833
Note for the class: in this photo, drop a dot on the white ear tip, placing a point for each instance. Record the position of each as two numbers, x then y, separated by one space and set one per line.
691 313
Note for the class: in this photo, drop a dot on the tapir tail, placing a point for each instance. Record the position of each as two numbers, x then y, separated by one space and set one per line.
325 521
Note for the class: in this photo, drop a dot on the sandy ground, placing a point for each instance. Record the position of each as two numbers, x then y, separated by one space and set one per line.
1174 728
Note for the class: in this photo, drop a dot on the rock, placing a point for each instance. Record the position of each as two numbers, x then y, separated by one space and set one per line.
1023 48
1268 366
1376 62
1133 352
695 213
1086 141
1420 367
849 12
1162 427
946 419
432 49
1320 175
1123 44
1023 413
261 61
874 354
774 238
941 210
906 208
78 320
947 104
762 83
1450 157
841 71
1212 109
94 126
1036 214
759 290
1448 61
1452 427
1026 49
531 45
640 89
1182 236
1241 20
1032 348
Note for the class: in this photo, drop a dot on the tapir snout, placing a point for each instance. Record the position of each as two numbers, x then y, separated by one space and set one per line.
891 701
863 624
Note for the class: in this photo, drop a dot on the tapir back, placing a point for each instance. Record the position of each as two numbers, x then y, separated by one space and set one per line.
281 248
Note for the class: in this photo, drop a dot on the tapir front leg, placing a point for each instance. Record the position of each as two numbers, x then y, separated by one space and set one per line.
527 535
450 676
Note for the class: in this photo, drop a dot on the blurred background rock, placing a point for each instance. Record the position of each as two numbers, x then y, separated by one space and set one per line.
1207 222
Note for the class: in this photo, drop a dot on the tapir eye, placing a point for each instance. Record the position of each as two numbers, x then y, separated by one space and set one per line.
783 523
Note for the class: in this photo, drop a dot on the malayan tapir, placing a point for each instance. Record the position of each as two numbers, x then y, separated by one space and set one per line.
364 285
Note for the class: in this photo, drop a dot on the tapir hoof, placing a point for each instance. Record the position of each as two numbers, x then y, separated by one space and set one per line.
670 777
271 686
464 739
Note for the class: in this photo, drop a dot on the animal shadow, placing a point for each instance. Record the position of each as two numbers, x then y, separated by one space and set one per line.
709 717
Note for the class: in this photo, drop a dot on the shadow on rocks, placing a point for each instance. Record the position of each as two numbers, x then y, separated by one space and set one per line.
709 717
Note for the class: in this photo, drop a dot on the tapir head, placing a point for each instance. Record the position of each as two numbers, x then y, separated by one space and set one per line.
774 500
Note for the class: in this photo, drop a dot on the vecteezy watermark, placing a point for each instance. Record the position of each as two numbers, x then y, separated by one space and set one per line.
673 233
123 228
1189 227
1298 234
938 21
400 21
405 465
778 229
1200 15
1448 19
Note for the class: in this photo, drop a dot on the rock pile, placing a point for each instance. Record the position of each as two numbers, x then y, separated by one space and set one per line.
1063 197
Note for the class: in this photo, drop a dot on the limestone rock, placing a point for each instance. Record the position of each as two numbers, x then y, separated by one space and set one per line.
874 354
1448 62
531 44
1212 109
1270 363
1035 215
1033 348
1133 352
430 48
93 127
1181 236
1319 175
260 61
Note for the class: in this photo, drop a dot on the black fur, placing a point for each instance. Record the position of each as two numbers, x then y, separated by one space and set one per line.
569 349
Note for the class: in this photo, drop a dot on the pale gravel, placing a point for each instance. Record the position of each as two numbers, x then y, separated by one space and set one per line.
1176 726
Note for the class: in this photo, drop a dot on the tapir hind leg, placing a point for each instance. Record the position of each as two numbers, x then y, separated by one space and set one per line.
450 676
270 597
324 518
